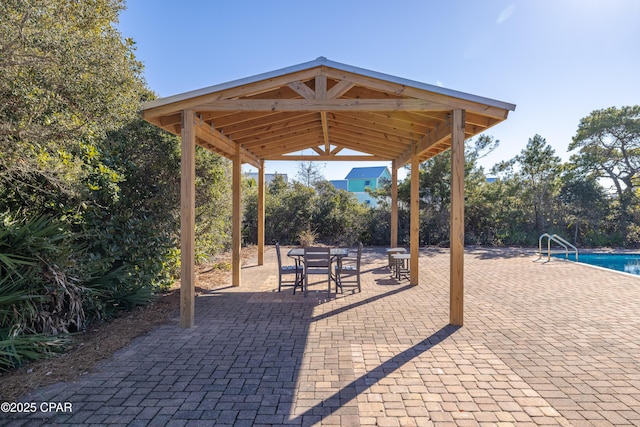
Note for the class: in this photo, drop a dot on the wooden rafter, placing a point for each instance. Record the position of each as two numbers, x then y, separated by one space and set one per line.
222 143
390 87
432 138
325 129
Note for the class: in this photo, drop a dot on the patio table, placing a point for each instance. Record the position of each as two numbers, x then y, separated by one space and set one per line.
401 262
336 254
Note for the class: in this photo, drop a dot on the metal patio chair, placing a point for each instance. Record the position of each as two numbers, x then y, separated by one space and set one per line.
285 273
317 261
348 271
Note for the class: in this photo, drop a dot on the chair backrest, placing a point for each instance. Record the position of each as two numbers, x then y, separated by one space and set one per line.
317 257
360 247
278 253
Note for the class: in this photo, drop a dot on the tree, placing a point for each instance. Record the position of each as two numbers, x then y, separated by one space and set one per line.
435 188
537 169
68 77
337 216
213 204
74 155
609 146
309 173
584 206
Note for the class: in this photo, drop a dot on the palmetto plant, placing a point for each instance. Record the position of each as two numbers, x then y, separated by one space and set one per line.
50 287
37 301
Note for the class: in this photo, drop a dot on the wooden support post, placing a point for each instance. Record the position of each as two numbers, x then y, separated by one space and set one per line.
261 209
414 245
394 205
187 219
456 310
236 219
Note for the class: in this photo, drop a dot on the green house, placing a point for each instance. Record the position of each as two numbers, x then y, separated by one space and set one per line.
359 179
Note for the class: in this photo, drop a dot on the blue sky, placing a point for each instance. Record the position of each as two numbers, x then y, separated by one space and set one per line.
557 60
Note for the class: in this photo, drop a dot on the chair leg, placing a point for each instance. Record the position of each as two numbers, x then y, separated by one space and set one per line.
299 283
305 285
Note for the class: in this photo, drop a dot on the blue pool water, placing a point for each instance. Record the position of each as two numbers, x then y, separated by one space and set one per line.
629 263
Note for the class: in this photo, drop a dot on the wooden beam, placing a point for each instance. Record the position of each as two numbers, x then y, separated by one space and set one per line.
263 121
224 144
339 89
456 314
261 212
231 121
237 91
372 135
321 94
172 120
362 146
302 89
381 124
312 158
325 130
434 150
236 219
414 222
276 148
323 105
394 205
435 136
276 129
448 102
367 143
297 133
187 219
321 87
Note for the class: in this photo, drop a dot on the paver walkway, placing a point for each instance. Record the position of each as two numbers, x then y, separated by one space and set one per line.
543 344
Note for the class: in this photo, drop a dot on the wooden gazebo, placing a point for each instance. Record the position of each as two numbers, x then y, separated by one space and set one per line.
339 112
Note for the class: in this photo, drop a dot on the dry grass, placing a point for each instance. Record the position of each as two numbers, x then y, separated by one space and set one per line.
100 341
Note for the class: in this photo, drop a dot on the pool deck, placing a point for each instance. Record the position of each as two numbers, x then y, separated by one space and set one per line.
544 343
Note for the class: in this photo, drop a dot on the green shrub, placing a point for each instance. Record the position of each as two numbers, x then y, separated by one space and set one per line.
37 299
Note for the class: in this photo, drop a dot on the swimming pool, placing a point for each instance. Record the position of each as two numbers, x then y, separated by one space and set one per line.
628 263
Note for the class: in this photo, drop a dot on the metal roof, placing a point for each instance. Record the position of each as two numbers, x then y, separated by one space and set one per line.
322 61
340 184
373 172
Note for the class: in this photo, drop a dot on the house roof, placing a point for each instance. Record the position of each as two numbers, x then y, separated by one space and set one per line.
373 172
340 184
324 110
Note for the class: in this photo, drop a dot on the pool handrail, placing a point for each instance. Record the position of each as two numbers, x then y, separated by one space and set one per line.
560 241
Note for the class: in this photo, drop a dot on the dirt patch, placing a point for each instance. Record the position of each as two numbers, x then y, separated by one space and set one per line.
101 340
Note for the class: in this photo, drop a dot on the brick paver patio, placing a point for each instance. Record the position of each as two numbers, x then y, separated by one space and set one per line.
543 344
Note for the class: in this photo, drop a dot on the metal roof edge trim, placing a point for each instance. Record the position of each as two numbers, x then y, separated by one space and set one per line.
321 61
